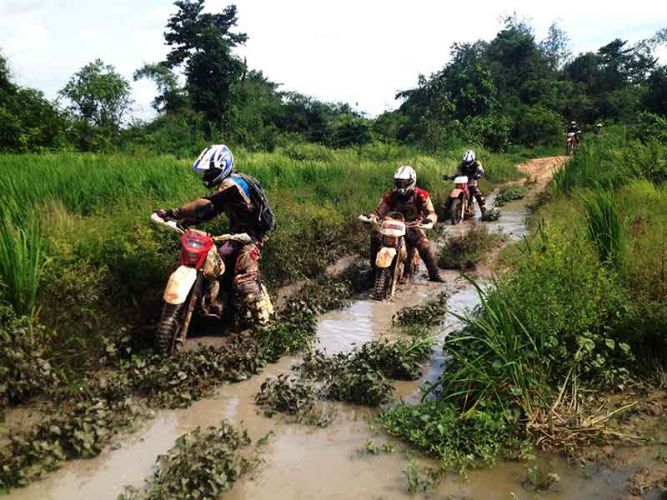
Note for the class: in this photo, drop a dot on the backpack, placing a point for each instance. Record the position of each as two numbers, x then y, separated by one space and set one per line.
266 220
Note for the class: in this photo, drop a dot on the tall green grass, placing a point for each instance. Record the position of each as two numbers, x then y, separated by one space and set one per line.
21 262
605 227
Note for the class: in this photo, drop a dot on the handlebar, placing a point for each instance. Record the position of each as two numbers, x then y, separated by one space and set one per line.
175 226
376 222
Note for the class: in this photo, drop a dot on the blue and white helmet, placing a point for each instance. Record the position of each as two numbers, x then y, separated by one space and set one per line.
469 157
215 163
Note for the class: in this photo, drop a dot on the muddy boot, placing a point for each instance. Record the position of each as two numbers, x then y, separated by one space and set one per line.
259 308
428 256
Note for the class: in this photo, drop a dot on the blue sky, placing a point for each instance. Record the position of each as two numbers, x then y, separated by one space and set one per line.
357 51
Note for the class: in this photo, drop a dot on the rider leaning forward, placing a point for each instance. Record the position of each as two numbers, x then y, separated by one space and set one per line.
230 194
415 205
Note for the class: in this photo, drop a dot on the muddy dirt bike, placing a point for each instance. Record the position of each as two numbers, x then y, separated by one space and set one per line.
460 205
571 143
187 289
394 253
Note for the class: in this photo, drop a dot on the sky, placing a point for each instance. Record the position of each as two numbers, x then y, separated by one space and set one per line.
356 51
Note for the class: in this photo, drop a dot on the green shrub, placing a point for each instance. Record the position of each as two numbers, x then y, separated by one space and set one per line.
538 125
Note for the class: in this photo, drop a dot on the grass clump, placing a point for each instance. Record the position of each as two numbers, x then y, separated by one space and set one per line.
360 377
466 252
605 227
418 319
202 464
510 193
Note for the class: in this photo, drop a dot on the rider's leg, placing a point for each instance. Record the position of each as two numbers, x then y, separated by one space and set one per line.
426 253
248 286
474 191
212 269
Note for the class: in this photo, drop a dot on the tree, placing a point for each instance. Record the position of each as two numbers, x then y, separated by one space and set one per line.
656 95
98 95
28 121
171 96
468 80
555 47
202 44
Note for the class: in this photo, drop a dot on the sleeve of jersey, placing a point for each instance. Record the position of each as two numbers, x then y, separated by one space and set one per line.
222 198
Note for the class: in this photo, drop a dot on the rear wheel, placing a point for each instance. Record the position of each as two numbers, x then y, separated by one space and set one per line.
175 322
456 211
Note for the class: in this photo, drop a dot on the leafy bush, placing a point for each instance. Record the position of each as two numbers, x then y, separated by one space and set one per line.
438 428
538 125
510 193
202 464
24 369
466 251
490 131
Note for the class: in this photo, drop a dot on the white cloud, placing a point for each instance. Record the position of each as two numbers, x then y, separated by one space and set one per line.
357 51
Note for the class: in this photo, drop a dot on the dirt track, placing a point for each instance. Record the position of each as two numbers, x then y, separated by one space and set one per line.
541 170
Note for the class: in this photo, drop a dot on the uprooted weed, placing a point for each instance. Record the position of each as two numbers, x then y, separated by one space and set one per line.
465 252
510 193
361 376
417 320
202 464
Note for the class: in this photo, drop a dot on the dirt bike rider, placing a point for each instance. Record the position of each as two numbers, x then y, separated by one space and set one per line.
415 205
473 169
574 129
230 195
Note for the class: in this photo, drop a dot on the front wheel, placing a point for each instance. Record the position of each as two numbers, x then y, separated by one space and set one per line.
383 279
456 211
175 322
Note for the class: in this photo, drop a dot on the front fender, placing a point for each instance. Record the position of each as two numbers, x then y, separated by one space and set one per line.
385 257
179 285
456 193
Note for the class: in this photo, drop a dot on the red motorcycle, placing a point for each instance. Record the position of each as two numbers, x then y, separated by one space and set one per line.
187 289
460 204
571 143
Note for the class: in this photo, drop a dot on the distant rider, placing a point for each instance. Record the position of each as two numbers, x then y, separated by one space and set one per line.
574 129
230 194
473 169
416 206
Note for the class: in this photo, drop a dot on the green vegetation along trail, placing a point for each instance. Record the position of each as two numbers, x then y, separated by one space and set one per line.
336 461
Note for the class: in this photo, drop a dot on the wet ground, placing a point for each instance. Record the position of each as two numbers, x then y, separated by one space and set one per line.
301 462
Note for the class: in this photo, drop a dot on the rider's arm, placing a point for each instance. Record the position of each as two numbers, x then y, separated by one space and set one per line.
479 173
383 208
430 211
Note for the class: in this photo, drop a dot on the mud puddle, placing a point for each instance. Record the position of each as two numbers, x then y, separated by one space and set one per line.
307 462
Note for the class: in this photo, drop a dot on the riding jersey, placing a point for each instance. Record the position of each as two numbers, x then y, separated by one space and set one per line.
416 205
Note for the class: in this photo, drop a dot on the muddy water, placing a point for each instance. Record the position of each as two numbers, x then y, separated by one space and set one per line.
303 462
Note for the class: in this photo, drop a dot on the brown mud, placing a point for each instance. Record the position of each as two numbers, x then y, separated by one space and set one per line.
342 460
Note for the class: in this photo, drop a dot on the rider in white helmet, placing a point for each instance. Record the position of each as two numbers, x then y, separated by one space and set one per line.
472 168
415 205
231 195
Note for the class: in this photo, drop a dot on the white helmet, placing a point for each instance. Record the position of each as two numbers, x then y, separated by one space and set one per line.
215 163
405 179
469 157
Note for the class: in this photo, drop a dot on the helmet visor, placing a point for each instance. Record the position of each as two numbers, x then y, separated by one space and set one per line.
403 183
